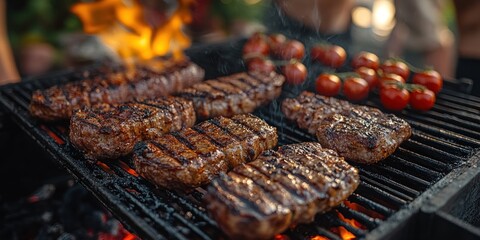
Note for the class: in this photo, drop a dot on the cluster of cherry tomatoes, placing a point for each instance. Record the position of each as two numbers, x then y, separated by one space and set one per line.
388 77
259 47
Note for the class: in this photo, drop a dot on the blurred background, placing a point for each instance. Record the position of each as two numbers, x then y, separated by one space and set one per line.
44 35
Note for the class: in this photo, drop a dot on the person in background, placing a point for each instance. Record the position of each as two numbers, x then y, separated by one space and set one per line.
312 20
420 28
8 71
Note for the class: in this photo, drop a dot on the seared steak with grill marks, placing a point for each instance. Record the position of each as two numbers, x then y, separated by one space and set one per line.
193 156
358 133
110 131
145 81
279 189
234 94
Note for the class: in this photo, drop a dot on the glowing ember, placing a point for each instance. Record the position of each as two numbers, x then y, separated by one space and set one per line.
352 222
318 238
345 234
281 237
362 209
121 25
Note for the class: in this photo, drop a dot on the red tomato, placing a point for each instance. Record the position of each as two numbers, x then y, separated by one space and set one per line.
422 100
355 88
328 84
291 49
390 79
365 59
256 46
295 73
397 67
276 40
430 79
334 56
261 65
317 52
369 75
394 98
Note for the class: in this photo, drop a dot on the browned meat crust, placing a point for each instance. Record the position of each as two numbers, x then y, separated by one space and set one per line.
111 131
193 156
59 102
234 94
358 133
279 189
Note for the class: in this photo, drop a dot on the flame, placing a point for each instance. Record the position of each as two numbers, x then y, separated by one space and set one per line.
318 238
362 209
354 223
122 26
345 234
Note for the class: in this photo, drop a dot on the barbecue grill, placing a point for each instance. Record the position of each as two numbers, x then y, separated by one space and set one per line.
413 193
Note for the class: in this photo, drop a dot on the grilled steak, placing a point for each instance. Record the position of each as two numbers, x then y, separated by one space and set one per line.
193 156
358 133
279 189
110 131
234 94
145 81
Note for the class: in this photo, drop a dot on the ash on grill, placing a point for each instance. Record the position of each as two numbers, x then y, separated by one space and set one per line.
59 210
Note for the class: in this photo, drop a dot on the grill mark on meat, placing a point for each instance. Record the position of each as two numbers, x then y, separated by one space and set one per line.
278 181
261 186
165 148
248 126
162 107
184 141
224 129
83 120
212 140
226 189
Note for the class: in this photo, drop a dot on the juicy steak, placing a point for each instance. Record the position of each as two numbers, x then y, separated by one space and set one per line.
235 94
146 81
110 131
194 156
279 189
358 133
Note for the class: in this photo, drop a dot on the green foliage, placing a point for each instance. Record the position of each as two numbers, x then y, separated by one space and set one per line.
229 10
40 20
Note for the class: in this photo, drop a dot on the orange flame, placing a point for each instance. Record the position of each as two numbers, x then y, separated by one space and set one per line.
362 209
122 26
354 223
318 238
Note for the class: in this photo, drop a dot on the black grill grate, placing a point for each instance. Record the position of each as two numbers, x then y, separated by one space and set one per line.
443 139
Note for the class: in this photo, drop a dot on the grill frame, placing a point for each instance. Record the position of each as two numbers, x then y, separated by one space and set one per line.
144 220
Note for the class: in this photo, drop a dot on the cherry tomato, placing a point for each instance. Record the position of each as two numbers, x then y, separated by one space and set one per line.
291 49
295 72
334 56
355 88
317 52
257 46
397 67
422 100
394 98
328 84
365 59
261 65
390 79
369 75
430 79
276 40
